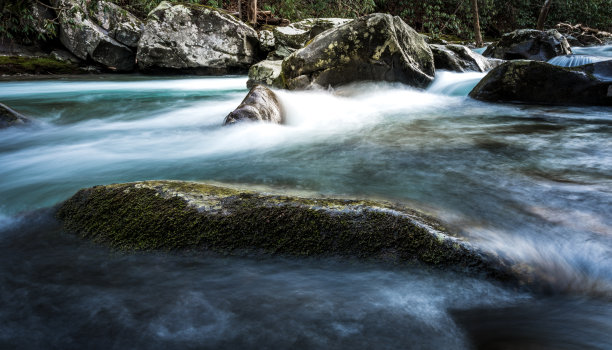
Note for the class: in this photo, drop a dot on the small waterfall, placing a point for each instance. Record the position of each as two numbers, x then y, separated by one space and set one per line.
576 60
455 84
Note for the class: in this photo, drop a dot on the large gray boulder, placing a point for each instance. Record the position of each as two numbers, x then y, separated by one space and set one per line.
459 58
260 104
377 47
196 39
9 117
529 44
543 83
267 73
117 22
87 40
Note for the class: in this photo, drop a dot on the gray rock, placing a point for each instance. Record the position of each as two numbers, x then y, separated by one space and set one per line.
267 42
377 47
196 39
65 56
267 73
280 53
260 104
85 39
543 83
119 23
459 58
297 34
9 117
529 44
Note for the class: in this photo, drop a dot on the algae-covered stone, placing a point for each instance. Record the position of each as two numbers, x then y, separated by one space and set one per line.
267 73
196 39
459 58
9 117
543 83
529 44
186 215
260 104
377 47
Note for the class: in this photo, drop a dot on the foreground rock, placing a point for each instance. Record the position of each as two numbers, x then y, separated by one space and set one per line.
377 47
9 117
87 40
529 44
260 104
196 39
543 83
459 58
183 215
267 73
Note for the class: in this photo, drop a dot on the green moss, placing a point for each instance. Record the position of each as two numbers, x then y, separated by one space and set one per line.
35 65
176 215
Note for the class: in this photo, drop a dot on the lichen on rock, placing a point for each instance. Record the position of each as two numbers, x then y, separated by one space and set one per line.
377 47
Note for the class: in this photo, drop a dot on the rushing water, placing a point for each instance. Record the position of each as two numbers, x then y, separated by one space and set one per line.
531 183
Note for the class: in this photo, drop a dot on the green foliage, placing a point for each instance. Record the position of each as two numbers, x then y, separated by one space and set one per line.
19 21
299 9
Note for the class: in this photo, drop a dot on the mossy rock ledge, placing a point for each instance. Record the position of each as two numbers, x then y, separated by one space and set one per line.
174 215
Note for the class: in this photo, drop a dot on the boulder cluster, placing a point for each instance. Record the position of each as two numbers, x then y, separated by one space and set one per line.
317 53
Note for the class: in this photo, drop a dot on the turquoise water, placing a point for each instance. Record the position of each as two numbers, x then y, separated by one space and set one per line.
531 183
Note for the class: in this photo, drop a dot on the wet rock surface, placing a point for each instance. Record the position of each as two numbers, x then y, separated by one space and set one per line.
260 104
529 44
543 83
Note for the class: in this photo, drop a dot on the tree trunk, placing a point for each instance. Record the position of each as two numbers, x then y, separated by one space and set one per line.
543 14
251 11
477 35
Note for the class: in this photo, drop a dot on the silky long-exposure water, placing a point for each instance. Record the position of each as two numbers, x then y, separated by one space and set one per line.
530 183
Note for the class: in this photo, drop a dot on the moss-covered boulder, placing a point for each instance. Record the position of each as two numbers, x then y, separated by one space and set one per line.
168 215
9 117
543 83
529 44
267 73
459 58
196 39
377 47
259 105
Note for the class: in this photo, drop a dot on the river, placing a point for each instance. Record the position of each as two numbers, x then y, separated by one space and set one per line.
530 183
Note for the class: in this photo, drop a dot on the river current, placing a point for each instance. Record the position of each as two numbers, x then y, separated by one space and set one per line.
530 183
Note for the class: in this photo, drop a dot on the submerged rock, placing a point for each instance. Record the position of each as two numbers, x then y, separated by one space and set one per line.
87 40
9 117
196 39
377 47
267 73
169 215
529 44
459 58
260 104
544 83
